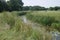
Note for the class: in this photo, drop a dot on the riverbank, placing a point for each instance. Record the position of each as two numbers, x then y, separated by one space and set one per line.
35 26
12 27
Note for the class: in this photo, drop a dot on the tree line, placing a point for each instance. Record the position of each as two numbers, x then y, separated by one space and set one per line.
17 5
40 8
11 5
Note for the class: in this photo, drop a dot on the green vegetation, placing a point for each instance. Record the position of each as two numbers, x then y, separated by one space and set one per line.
50 19
17 5
11 5
12 28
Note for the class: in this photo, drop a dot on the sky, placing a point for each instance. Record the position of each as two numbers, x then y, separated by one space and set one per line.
44 3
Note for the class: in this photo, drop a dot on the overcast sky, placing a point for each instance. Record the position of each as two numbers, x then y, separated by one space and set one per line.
45 3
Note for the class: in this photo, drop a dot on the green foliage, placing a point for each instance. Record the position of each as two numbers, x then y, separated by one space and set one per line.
11 5
2 5
34 8
16 5
21 13
40 8
17 29
8 18
54 8
56 26
46 18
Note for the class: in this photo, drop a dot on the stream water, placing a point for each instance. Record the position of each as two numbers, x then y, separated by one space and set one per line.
24 19
55 35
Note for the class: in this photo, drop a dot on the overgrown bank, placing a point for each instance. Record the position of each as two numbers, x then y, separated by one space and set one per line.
12 28
50 19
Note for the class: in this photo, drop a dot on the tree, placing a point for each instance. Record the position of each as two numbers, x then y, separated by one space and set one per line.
54 8
51 8
57 8
3 5
37 8
9 6
25 8
16 5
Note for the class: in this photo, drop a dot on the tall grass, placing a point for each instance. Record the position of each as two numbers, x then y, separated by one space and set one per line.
46 18
12 28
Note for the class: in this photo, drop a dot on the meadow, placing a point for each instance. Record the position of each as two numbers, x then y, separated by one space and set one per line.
12 28
49 19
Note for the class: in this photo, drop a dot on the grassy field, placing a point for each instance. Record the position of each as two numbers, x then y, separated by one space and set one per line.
12 28
50 19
